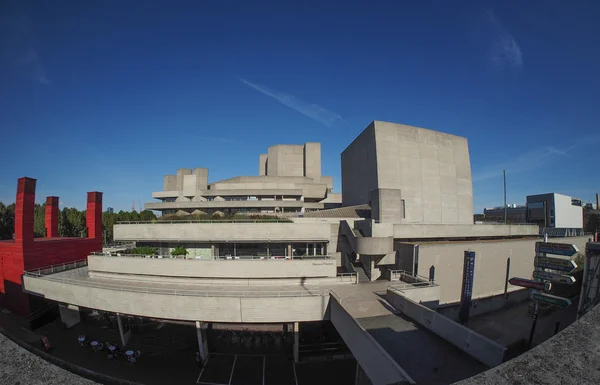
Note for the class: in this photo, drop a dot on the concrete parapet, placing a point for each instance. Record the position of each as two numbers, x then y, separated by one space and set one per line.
474 344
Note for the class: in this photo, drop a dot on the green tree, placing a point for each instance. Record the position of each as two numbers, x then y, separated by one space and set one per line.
7 221
179 250
592 224
147 215
39 220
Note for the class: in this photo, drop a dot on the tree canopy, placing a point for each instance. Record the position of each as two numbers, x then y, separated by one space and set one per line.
71 221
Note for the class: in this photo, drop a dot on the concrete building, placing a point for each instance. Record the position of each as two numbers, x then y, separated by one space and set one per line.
406 220
514 214
560 214
289 181
409 175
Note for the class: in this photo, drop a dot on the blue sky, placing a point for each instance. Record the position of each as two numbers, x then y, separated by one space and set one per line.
111 95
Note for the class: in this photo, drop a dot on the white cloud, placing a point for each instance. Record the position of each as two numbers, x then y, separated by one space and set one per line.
504 49
528 161
313 111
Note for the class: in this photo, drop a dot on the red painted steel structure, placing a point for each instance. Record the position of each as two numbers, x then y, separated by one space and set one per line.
25 252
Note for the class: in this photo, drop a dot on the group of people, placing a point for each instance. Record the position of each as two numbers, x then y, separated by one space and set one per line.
112 350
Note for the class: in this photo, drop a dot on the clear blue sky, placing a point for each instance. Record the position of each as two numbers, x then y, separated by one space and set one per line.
111 95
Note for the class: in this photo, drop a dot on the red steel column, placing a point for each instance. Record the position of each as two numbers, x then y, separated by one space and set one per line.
52 211
93 215
24 211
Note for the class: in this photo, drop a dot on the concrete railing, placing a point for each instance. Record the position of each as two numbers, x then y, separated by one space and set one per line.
180 292
191 305
379 366
348 277
474 344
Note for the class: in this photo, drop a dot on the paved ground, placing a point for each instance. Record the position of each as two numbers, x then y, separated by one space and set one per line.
569 358
19 366
510 326
168 356
427 358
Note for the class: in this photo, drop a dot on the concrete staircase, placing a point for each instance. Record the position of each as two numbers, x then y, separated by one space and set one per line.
360 271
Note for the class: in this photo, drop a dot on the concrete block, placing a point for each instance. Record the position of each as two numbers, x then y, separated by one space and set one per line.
69 315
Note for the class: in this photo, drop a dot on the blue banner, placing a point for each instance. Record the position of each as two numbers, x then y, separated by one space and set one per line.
467 286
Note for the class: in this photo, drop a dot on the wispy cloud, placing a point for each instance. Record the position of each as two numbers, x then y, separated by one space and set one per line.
218 139
528 161
504 49
313 111
16 42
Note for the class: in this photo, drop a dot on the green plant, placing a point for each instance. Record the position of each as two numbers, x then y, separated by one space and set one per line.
144 250
179 250
579 259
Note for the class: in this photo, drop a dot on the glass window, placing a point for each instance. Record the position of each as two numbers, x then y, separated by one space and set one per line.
535 205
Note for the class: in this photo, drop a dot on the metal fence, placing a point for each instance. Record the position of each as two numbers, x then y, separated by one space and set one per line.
158 222
53 269
215 258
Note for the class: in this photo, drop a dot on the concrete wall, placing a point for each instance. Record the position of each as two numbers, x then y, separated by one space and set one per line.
373 359
199 232
262 164
170 183
359 169
474 344
312 160
180 177
286 160
236 283
490 264
183 307
387 205
431 168
215 268
407 231
567 215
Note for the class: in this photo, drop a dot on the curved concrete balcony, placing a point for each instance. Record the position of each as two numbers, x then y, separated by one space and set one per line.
256 304
224 232
253 269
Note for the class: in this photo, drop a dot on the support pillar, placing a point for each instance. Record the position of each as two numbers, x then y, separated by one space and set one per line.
52 212
212 250
296 342
69 315
202 342
289 250
125 335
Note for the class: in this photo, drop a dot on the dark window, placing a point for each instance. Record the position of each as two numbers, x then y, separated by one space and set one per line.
576 202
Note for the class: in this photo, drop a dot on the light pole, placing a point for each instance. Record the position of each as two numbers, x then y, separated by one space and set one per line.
505 209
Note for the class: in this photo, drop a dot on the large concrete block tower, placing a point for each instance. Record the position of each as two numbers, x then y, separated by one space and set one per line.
409 175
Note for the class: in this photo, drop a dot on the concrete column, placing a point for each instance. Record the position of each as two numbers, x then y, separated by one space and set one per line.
124 335
296 342
289 250
212 250
202 345
69 315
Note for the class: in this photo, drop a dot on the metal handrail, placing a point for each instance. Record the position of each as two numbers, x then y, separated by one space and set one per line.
416 277
51 269
215 258
282 220
182 292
